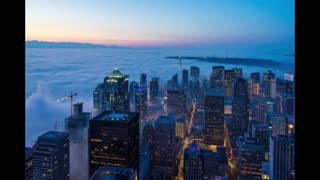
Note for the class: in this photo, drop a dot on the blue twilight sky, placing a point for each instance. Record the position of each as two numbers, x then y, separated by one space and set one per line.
163 22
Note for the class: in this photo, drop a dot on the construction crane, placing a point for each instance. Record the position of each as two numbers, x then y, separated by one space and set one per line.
69 97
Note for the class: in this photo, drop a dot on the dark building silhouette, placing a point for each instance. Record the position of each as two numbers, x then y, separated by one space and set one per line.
193 163
113 94
217 77
250 158
143 80
176 102
287 104
185 79
114 141
154 89
214 117
229 77
240 105
268 76
173 83
262 133
133 88
28 172
114 173
51 156
194 72
165 150
194 88
148 135
282 157
141 104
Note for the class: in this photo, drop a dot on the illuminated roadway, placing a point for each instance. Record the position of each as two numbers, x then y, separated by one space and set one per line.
186 141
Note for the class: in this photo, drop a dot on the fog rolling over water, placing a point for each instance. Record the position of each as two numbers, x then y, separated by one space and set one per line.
55 72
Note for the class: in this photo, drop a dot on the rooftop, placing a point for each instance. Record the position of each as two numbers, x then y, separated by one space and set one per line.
165 120
115 116
215 92
53 135
116 73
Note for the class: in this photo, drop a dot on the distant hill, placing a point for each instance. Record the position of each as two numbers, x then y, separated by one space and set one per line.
46 44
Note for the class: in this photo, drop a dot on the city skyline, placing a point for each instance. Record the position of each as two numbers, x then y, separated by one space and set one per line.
164 23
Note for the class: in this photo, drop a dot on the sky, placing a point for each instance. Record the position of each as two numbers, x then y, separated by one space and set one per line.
163 23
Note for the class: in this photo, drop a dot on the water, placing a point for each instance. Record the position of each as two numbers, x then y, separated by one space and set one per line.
53 73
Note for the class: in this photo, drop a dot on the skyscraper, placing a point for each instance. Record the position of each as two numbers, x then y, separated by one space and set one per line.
194 88
28 172
255 76
114 140
192 164
141 102
250 158
148 135
185 79
229 77
114 173
98 98
51 156
268 76
154 89
133 88
173 83
115 95
279 123
266 105
143 80
282 157
288 104
194 72
240 104
262 132
165 151
217 77
176 102
238 72
214 117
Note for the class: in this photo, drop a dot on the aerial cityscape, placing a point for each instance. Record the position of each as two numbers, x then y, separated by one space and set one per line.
123 90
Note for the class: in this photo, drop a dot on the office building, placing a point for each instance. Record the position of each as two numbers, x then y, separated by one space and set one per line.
262 132
217 77
114 173
146 161
194 72
51 156
141 104
173 83
279 123
229 77
28 160
268 76
165 150
282 157
133 88
154 89
266 105
176 102
250 158
240 105
288 104
289 76
148 135
194 88
185 79
255 77
143 80
192 162
181 126
114 93
238 72
114 140
214 117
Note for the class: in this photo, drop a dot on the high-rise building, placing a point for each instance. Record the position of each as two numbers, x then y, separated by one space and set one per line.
255 77
214 117
113 140
214 163
154 89
28 167
133 88
266 105
141 103
173 83
262 132
253 89
114 173
282 157
165 150
194 72
145 166
289 76
289 87
288 104
148 135
51 156
229 77
194 88
279 123
79 118
198 123
217 77
185 79
250 158
268 76
176 102
238 72
115 95
143 80
192 162
181 126
240 104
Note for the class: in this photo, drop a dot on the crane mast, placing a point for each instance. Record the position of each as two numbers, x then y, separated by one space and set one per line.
68 97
